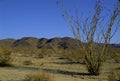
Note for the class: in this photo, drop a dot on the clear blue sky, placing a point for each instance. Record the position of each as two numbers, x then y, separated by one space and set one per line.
36 18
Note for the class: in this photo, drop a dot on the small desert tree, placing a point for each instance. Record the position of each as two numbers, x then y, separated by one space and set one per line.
93 30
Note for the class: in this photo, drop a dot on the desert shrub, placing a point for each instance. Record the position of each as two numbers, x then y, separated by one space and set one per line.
39 76
5 57
114 76
75 56
41 53
114 53
93 64
27 62
117 57
34 52
26 52
94 60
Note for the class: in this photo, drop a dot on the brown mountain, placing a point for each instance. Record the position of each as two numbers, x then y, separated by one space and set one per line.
32 42
62 43
7 42
49 43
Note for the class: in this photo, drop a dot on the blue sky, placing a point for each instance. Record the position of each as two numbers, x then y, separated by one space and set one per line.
37 18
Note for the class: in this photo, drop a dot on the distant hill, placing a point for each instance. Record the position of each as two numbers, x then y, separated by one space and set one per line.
115 45
7 42
62 43
32 42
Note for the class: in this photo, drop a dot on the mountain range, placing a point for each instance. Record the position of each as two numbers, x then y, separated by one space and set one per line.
57 42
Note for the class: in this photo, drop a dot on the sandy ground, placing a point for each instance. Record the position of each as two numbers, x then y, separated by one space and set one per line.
60 69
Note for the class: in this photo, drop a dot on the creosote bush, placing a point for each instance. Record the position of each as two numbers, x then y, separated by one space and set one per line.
38 76
5 57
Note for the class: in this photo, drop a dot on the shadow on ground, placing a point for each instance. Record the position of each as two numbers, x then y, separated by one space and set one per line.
56 71
64 63
65 72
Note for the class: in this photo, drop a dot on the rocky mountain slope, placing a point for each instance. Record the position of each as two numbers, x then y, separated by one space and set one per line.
32 42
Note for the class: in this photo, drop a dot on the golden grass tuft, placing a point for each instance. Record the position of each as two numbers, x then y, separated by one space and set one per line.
38 76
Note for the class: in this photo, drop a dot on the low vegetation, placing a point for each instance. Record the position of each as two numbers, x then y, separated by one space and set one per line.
72 55
39 76
114 76
114 53
27 62
65 60
5 57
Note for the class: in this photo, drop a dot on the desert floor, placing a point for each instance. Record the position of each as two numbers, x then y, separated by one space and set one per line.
60 69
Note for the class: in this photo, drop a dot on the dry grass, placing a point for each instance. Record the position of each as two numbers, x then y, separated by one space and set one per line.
60 68
75 56
114 76
114 54
39 76
67 69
